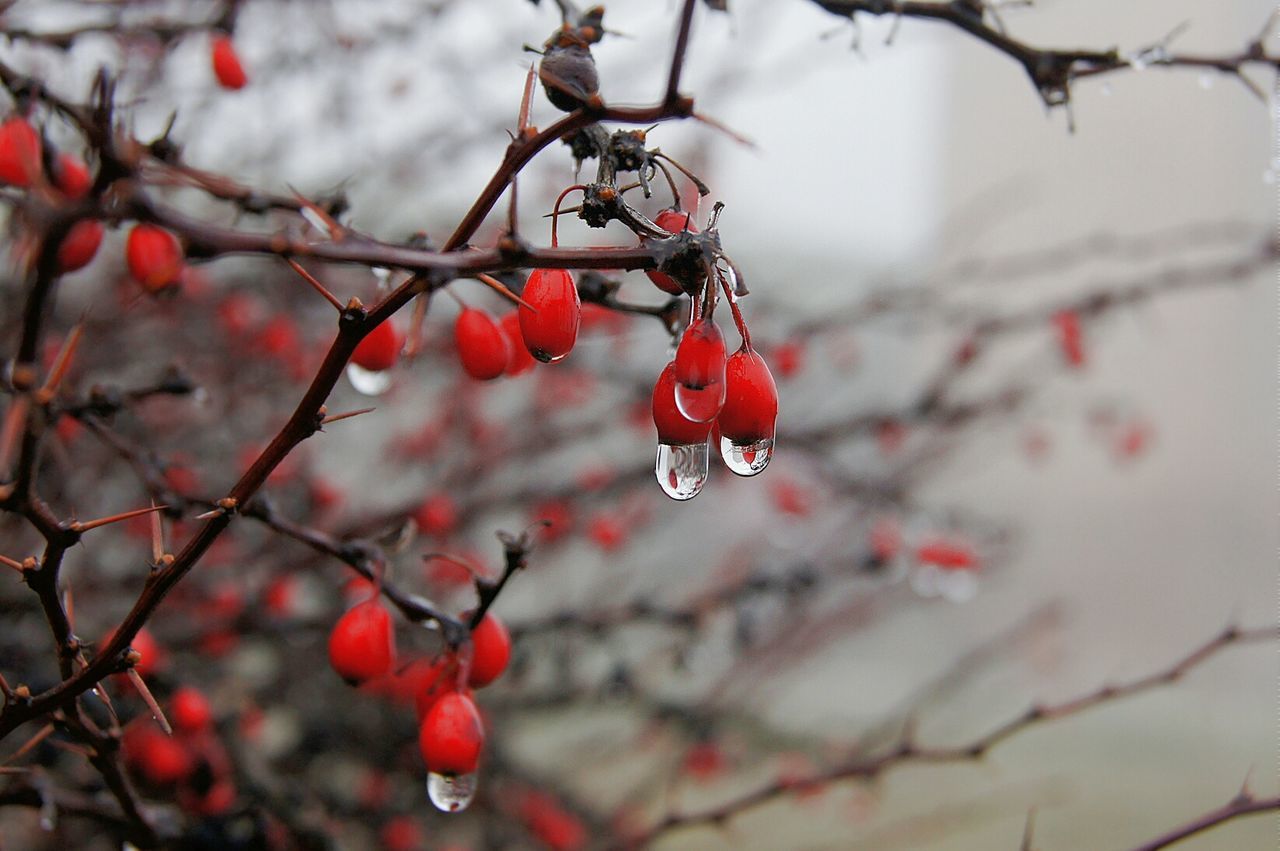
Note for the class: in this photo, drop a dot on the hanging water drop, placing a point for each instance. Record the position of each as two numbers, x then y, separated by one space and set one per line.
367 381
746 459
958 586
682 469
924 580
451 793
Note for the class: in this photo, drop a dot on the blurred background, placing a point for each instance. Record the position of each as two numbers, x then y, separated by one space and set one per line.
898 203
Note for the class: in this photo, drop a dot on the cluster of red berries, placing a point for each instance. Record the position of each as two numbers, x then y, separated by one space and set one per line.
706 392
544 328
451 733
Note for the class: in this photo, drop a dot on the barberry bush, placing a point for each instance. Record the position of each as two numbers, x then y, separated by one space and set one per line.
514 425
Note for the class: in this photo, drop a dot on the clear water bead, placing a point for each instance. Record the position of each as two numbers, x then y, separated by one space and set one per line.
451 793
746 459
368 382
958 586
682 469
700 404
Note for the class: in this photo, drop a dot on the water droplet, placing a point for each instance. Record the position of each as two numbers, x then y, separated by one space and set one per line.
1206 81
924 580
201 396
383 276
367 381
682 470
746 459
958 586
700 404
451 793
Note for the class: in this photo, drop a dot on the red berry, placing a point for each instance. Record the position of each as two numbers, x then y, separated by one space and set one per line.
20 163
71 176
751 399
1070 338
379 350
674 428
154 256
438 515
226 64
672 221
551 328
700 371
160 759
402 833
521 361
79 245
607 532
482 347
788 357
451 736
491 644
362 644
948 555
189 709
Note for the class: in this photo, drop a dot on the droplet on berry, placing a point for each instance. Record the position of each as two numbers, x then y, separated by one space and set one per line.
551 328
368 382
748 420
700 371
451 793
682 469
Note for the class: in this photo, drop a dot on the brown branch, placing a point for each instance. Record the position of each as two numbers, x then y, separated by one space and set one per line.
907 751
1242 805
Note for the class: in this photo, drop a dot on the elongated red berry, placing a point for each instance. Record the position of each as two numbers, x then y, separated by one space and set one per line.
226 63
79 245
521 361
154 257
550 328
700 371
71 176
1070 337
362 643
482 347
379 350
189 709
674 428
20 163
452 735
750 409
672 221
747 421
491 651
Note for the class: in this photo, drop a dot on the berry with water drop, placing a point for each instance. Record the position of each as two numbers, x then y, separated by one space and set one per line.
683 457
748 419
549 325
379 350
700 371
452 735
